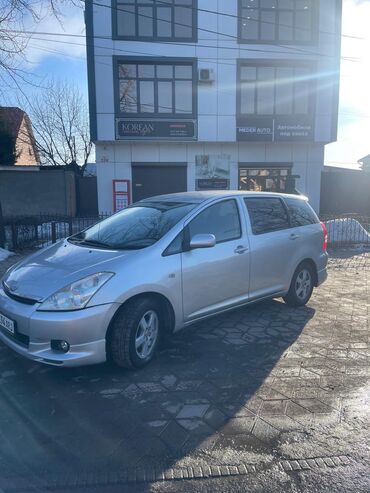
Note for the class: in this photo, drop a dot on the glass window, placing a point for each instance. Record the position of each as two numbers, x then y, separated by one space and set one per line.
126 20
183 96
301 213
156 19
135 227
146 96
164 22
284 90
266 215
286 23
164 97
268 24
274 21
221 220
156 88
279 90
145 21
265 90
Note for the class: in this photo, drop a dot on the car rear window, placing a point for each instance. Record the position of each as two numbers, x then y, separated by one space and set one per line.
266 214
301 213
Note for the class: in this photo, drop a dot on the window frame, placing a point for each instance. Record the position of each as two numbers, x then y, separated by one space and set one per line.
314 41
172 61
245 198
186 230
270 63
155 39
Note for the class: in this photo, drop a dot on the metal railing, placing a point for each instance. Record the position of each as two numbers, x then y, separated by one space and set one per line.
38 231
24 232
347 230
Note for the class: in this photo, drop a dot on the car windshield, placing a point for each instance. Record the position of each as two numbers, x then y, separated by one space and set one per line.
136 227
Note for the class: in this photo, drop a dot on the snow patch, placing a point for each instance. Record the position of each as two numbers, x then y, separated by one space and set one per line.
347 230
4 254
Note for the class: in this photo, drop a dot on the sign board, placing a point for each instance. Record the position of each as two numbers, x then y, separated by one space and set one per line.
212 171
156 129
290 128
121 194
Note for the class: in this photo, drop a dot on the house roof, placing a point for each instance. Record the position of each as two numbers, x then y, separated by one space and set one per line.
12 117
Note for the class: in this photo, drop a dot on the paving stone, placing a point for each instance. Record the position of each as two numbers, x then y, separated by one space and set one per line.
174 435
237 426
192 411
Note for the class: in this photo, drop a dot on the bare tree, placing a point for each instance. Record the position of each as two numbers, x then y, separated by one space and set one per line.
60 122
14 39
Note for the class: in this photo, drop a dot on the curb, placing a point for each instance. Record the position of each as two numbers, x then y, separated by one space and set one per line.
150 475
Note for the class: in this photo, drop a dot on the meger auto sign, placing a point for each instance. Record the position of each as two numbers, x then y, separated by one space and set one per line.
276 129
156 129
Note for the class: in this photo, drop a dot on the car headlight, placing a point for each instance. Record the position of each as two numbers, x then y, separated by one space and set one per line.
77 294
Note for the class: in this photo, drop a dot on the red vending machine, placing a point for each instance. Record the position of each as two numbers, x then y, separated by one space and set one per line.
121 194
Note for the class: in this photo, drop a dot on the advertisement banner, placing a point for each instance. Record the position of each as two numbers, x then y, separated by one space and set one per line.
290 128
156 129
212 172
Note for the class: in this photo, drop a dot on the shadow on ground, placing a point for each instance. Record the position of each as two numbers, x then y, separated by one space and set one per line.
201 393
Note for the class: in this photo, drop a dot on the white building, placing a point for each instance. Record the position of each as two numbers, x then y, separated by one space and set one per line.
200 94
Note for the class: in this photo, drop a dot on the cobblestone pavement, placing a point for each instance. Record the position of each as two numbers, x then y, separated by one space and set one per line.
262 387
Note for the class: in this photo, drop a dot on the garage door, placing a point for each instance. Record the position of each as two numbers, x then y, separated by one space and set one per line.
149 180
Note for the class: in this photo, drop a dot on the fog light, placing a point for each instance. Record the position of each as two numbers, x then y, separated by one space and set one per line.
62 346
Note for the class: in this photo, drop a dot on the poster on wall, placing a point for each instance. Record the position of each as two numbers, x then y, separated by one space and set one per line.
121 194
212 172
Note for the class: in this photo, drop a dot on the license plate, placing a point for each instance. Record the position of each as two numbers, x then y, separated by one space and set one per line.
6 323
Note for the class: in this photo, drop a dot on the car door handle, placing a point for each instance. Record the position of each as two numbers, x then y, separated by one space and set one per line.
293 236
240 249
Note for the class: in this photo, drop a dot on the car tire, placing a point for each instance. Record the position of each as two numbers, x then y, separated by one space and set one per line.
134 335
301 287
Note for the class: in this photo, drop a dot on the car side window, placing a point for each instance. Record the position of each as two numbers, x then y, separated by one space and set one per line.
300 212
175 246
221 219
266 214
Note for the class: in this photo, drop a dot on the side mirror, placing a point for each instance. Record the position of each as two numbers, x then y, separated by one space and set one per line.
202 241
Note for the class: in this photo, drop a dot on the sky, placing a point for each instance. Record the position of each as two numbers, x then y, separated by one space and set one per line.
46 58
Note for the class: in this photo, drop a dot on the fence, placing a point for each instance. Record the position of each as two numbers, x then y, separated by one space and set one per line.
38 231
347 230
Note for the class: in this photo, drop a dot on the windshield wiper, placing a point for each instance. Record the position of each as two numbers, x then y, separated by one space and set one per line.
96 243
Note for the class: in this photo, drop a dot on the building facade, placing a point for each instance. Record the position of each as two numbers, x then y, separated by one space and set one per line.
205 94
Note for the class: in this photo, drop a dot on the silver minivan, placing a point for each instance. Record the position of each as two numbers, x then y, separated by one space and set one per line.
114 290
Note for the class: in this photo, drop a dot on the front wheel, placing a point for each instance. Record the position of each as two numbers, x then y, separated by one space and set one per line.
134 335
301 287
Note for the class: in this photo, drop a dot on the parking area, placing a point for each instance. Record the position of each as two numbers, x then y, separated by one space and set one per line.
261 388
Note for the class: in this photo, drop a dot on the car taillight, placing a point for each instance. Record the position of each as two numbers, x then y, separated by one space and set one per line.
325 231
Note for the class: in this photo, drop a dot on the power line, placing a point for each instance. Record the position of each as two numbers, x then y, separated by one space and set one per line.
214 12
73 35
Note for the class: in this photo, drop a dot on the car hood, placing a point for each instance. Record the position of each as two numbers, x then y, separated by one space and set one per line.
47 271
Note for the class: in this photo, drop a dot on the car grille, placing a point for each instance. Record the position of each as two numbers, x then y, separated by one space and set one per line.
19 338
20 299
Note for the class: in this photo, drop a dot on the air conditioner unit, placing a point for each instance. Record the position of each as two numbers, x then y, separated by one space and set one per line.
206 75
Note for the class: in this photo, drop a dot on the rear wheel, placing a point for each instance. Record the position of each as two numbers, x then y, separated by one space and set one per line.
301 287
134 335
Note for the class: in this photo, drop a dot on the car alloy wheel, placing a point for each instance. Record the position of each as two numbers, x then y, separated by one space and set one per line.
146 334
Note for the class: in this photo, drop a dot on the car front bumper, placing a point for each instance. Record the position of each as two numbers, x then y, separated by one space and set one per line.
84 330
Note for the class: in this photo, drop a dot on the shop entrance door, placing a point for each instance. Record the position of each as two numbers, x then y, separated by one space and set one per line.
266 178
158 179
